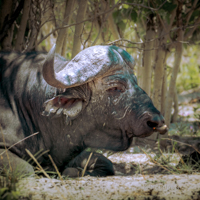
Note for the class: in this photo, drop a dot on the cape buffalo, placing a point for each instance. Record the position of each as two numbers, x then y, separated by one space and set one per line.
91 101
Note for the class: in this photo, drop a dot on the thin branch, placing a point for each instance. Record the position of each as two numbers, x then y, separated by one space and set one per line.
101 13
100 30
122 39
89 19
83 172
173 15
148 7
55 167
189 33
160 19
196 149
155 162
18 142
88 35
137 33
189 14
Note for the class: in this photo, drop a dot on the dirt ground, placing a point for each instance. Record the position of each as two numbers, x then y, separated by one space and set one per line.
129 187
136 178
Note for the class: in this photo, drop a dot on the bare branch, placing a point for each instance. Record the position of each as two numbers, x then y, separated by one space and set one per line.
18 141
89 34
100 29
160 19
173 15
89 19
148 7
189 33
189 14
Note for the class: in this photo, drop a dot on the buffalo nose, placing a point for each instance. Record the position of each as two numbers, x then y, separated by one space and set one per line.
157 123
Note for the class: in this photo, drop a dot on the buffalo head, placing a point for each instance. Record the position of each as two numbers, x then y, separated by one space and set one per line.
98 89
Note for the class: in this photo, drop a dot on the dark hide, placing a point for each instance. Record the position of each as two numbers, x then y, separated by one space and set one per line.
105 110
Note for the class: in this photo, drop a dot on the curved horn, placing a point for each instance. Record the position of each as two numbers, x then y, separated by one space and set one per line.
48 72
90 63
126 56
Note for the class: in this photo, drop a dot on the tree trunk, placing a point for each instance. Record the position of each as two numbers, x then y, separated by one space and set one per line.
164 100
111 24
63 32
22 27
164 92
148 56
177 61
175 114
64 47
79 27
139 69
159 63
98 25
158 74
34 25
5 14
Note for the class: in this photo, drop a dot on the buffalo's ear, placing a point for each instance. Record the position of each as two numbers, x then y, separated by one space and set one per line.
55 107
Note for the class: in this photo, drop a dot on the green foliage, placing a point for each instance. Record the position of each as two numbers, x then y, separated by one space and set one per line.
169 6
189 76
8 187
134 15
117 15
181 129
195 14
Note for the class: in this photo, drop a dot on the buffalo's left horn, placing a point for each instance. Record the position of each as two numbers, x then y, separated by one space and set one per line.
48 70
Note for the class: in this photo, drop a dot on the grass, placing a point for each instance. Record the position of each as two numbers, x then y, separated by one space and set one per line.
8 186
9 180
188 164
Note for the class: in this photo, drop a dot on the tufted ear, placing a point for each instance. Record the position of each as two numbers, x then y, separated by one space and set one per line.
61 104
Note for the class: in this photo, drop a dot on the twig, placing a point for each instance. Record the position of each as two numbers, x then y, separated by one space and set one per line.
182 143
16 142
179 156
38 155
87 164
152 160
55 167
67 26
189 14
148 7
40 167
159 17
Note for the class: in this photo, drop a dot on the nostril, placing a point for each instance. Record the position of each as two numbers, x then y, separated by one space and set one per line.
152 124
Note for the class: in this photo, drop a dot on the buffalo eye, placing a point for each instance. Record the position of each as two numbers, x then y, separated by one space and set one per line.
116 89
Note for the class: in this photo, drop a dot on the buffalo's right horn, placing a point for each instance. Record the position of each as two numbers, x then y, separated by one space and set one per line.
91 63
